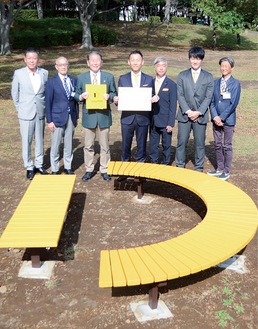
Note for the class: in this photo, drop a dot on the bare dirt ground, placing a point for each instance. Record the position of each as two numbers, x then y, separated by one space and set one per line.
101 217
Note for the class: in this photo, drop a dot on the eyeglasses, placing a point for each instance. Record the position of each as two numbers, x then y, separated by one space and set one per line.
62 65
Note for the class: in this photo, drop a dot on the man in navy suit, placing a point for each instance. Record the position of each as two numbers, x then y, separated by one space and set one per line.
134 121
194 93
163 113
223 106
62 113
96 121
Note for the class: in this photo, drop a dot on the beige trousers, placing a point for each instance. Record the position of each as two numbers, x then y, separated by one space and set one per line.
89 140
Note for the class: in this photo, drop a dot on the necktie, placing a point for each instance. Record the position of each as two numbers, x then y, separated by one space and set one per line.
223 86
136 80
94 80
157 86
195 76
67 91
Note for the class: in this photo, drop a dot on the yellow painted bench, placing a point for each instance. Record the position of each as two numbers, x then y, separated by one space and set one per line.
228 226
38 220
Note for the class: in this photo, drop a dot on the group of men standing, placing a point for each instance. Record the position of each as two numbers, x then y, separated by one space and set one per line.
58 98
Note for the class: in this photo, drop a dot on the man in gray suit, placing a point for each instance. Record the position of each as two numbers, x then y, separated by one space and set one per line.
28 94
194 93
96 121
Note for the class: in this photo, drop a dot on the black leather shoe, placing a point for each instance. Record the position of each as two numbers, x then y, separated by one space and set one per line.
106 176
55 173
30 174
41 170
87 176
121 179
68 172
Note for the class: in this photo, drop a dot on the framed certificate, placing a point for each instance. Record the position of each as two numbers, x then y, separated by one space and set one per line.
95 99
134 99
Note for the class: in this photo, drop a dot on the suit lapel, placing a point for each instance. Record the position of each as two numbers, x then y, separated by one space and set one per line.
60 83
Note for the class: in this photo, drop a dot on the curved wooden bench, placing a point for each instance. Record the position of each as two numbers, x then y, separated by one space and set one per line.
229 225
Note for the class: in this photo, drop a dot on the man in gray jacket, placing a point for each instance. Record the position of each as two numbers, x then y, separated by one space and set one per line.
28 94
194 93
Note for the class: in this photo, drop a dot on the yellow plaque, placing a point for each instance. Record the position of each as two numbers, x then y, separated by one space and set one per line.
96 101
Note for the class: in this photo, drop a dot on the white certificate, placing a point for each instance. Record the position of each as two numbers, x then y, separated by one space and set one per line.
134 99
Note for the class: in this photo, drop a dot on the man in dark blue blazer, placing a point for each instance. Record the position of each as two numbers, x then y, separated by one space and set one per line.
135 121
163 113
223 106
62 113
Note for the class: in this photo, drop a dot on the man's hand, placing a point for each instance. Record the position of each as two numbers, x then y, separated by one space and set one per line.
51 127
217 121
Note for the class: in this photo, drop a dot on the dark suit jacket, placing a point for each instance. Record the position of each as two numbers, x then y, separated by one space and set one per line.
164 111
127 117
226 108
57 103
194 96
92 118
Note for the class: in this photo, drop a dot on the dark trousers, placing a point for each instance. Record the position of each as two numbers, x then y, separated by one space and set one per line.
155 135
141 133
223 136
199 134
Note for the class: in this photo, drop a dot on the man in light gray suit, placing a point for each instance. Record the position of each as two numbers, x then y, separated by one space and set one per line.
194 93
28 94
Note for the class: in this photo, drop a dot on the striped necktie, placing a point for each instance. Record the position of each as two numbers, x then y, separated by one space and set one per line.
223 86
94 80
67 91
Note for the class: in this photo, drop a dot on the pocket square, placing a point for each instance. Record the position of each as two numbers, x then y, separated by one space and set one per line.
145 85
165 89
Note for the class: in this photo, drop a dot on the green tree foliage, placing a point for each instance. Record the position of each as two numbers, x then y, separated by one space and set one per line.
221 17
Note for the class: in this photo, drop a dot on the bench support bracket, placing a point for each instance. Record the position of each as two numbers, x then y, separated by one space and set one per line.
154 294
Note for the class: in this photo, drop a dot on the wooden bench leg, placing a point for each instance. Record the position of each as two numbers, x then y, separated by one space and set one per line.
35 258
154 294
139 187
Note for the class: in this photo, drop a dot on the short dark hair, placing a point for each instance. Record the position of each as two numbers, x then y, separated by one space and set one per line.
94 52
196 52
31 50
227 59
136 52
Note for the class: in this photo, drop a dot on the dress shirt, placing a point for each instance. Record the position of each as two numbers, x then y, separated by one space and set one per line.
35 80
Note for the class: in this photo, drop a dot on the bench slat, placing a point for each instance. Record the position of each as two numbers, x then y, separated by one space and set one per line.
142 270
118 276
157 272
105 276
171 271
132 277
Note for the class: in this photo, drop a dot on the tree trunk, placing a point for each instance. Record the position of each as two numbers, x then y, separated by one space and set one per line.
86 35
39 9
167 12
214 38
6 21
238 39
86 10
